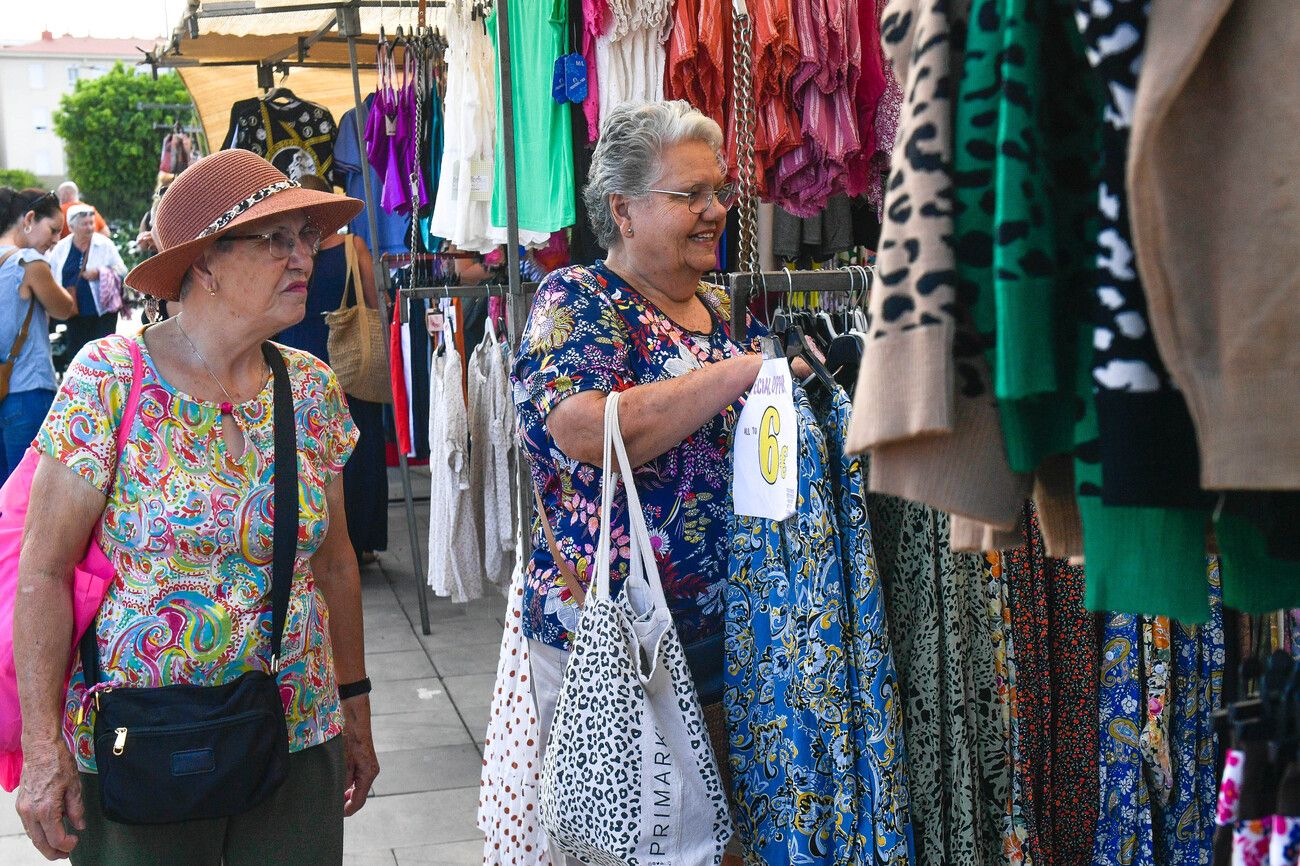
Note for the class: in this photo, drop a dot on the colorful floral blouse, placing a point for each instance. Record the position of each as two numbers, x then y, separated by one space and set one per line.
188 529
590 331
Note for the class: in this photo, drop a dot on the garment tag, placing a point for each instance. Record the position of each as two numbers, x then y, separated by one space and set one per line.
764 456
559 91
434 321
480 180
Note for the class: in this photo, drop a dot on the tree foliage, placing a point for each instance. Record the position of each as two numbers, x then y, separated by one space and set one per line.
112 147
18 178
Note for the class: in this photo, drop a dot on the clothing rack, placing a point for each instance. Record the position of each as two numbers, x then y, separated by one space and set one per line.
852 280
494 290
400 259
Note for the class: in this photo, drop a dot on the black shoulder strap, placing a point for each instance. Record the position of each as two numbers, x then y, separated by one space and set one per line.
285 535
286 516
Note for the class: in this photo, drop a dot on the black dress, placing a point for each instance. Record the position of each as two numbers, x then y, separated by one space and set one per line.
365 476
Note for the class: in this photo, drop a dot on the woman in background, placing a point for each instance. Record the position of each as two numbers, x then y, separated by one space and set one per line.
365 477
77 262
30 222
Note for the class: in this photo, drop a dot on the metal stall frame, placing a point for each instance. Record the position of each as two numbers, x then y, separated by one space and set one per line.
347 22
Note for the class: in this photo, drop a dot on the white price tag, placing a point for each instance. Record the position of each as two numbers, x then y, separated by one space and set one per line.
765 456
480 180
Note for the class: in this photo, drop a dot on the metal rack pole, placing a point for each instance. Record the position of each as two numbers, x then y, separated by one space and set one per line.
349 22
518 307
744 284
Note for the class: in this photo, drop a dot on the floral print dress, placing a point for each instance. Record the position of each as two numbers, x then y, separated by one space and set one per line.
1143 822
591 331
787 692
884 804
814 710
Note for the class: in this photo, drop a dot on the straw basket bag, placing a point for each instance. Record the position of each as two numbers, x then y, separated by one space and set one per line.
356 340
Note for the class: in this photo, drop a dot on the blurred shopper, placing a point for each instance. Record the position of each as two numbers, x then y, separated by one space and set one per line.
70 195
365 477
79 262
29 226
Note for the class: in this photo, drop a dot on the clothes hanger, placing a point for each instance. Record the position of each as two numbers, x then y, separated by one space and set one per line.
796 346
860 322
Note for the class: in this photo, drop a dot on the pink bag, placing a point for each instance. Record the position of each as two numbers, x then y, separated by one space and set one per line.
108 292
91 578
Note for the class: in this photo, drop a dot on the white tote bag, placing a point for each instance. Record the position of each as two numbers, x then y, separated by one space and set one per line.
629 777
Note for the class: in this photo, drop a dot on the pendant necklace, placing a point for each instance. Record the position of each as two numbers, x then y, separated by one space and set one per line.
228 407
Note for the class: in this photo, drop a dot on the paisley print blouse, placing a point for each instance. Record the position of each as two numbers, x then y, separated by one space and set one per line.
188 529
590 331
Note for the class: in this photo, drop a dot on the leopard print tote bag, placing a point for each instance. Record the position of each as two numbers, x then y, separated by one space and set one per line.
629 777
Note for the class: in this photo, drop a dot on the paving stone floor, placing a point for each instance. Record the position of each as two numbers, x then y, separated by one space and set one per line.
430 705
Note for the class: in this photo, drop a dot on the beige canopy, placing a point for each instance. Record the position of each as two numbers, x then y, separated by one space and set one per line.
219 64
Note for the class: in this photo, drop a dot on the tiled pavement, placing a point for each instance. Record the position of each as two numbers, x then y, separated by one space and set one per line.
430 705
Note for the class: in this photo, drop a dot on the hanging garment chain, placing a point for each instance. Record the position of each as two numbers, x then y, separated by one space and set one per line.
743 85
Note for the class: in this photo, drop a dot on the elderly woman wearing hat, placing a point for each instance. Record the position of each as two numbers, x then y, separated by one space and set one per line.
185 517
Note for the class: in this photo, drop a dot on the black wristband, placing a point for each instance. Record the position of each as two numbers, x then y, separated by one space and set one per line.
354 690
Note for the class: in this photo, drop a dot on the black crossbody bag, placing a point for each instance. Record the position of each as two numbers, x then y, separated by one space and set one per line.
182 753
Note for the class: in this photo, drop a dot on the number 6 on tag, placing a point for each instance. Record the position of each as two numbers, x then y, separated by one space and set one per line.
766 480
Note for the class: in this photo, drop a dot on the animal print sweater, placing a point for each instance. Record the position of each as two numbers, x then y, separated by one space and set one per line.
923 404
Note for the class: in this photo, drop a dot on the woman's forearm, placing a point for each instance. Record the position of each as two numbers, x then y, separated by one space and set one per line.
655 417
42 638
335 568
347 631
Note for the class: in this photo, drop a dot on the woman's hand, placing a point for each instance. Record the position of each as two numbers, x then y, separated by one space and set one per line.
144 242
50 791
359 754
91 273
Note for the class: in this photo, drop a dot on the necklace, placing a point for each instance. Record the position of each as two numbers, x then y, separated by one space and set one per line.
228 407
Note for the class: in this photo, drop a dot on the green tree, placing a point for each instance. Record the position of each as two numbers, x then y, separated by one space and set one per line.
112 147
18 178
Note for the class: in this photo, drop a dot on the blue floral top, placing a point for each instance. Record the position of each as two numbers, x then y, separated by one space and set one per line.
590 331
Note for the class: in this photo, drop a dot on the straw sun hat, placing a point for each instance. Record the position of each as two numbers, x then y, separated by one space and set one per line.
219 193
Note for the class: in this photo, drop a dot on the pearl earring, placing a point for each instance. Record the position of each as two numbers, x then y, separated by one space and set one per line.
629 231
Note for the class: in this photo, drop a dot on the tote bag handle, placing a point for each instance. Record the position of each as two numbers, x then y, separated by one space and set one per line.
641 560
353 278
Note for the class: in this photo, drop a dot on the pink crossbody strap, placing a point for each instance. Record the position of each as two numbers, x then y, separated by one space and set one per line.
132 397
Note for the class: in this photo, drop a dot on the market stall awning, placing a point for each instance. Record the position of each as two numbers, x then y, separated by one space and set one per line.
219 45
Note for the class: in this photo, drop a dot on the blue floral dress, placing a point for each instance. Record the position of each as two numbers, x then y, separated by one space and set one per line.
1139 826
883 810
591 331
787 694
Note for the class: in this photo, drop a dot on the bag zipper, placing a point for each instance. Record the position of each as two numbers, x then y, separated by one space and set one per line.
120 734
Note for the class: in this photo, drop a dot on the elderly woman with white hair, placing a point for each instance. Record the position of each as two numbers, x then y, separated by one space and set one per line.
643 322
79 262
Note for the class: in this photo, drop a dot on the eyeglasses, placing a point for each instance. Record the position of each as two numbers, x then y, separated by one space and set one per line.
282 242
700 200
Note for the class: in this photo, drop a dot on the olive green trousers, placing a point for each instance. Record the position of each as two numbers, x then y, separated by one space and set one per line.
301 824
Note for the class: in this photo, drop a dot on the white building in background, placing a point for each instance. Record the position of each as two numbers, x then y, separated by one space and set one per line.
33 77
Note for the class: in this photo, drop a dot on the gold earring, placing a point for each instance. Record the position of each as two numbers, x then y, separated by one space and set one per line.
212 287
629 231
